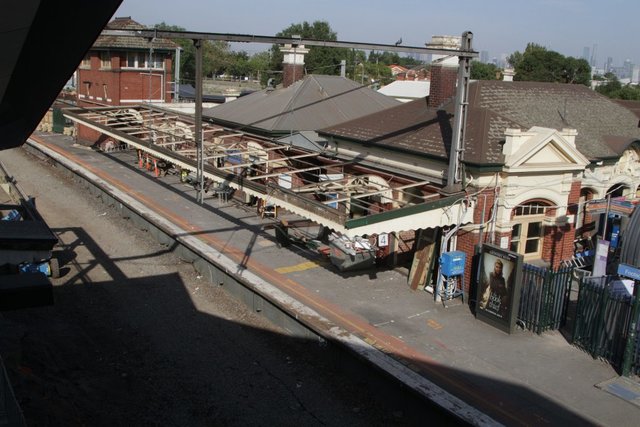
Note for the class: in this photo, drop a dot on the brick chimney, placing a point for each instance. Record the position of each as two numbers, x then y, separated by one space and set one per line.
444 78
293 63
444 71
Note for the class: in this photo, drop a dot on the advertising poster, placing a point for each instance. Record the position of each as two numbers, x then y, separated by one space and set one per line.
499 287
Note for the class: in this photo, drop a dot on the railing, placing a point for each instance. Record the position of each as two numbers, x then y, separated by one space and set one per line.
544 297
603 320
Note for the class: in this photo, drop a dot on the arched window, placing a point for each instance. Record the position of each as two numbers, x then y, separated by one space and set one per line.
527 230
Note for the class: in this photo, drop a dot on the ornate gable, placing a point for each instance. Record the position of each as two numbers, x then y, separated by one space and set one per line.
542 150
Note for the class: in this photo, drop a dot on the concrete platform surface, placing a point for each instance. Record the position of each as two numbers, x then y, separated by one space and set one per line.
518 379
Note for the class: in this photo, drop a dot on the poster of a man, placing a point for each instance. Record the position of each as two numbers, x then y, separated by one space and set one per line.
497 296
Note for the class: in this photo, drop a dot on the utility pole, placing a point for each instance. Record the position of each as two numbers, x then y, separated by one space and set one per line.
198 124
455 173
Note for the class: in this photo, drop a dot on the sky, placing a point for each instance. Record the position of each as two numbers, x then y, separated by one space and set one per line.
498 26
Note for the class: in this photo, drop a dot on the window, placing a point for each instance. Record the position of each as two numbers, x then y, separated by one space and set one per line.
86 61
527 231
105 60
141 60
131 59
158 61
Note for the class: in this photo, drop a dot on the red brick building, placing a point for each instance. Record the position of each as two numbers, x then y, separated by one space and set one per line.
122 70
529 170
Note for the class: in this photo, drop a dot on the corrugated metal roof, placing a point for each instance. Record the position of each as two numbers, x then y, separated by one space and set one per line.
495 106
406 89
313 103
126 42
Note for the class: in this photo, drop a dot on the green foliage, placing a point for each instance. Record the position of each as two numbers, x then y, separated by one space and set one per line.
539 64
217 58
482 71
320 59
390 58
615 90
258 66
188 55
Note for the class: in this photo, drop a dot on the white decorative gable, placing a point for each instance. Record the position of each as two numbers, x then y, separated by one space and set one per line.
542 150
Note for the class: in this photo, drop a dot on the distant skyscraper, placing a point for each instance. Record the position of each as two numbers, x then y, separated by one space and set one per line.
594 57
484 56
608 66
628 67
585 53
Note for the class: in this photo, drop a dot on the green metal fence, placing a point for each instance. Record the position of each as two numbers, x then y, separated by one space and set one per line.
603 319
544 298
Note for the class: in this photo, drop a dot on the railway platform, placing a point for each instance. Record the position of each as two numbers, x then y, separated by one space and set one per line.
478 373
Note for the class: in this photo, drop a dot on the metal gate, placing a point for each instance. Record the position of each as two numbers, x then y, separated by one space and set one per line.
544 298
603 320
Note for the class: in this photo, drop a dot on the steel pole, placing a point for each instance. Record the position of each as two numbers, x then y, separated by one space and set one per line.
455 174
198 124
631 337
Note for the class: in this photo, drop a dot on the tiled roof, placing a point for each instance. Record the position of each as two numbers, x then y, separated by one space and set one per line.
495 106
313 103
634 106
126 42
559 106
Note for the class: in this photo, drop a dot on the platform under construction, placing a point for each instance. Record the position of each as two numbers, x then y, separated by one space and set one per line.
339 193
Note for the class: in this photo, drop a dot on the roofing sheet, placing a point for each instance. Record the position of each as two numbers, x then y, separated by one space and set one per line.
406 89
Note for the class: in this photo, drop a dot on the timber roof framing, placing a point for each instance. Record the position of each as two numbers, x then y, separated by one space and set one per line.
314 185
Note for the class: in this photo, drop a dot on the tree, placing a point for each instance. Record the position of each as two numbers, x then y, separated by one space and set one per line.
259 64
320 59
188 55
482 71
539 64
612 88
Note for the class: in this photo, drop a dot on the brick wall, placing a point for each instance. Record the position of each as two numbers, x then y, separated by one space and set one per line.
123 84
443 84
558 240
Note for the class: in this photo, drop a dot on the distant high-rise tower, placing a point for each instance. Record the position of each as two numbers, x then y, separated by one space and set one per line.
585 53
608 66
594 57
484 56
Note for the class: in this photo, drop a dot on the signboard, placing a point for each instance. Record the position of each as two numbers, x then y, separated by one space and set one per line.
629 271
383 240
616 206
498 292
284 180
600 260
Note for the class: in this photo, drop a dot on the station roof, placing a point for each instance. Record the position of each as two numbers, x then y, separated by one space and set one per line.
323 186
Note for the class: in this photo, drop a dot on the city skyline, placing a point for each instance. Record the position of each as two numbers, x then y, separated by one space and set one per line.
497 25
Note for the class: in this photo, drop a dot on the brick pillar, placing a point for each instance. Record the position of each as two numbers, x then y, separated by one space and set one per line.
558 240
